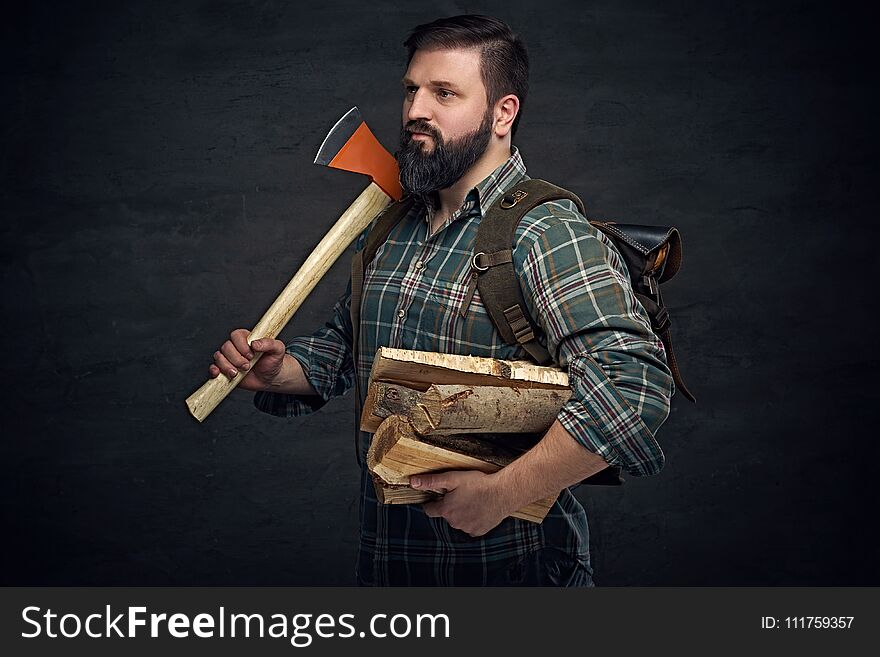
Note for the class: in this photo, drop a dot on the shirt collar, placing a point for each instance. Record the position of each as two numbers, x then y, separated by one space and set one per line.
500 180
487 190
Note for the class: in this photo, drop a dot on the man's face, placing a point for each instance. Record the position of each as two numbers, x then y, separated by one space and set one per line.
447 123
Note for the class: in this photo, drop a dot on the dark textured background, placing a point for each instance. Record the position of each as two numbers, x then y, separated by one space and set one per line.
157 191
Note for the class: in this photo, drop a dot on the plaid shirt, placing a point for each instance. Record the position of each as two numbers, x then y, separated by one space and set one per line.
577 287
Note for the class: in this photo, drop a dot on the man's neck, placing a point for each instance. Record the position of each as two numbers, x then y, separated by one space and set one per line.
452 198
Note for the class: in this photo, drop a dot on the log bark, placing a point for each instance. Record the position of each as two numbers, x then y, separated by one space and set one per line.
421 369
456 409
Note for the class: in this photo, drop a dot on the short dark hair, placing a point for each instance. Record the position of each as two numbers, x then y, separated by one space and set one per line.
504 62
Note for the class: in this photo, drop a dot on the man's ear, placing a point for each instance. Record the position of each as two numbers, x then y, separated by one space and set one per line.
506 110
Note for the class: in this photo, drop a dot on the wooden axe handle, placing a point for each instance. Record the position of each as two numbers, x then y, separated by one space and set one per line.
352 222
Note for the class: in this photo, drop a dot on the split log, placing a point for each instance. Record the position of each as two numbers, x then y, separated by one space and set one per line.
421 369
402 494
397 452
451 409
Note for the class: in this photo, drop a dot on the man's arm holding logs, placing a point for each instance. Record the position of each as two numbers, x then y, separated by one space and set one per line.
475 502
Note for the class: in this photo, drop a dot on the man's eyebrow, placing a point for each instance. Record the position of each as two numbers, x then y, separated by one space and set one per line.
434 83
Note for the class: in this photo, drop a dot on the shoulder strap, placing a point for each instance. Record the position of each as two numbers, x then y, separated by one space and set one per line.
492 264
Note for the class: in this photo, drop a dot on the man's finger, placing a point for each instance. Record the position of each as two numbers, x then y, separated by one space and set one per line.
441 482
234 356
224 365
239 340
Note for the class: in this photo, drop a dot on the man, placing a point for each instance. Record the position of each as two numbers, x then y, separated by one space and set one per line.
464 89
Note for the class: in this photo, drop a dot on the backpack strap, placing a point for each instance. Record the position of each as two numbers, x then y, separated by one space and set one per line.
383 225
492 269
652 255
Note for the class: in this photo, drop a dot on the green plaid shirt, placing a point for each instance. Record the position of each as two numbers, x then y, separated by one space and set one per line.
577 287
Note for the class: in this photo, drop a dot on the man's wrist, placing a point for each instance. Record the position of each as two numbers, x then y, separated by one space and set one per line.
291 379
511 493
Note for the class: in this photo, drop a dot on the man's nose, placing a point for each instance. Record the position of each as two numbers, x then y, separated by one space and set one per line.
420 106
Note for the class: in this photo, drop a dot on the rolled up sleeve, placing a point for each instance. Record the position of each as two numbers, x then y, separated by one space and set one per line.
326 360
597 330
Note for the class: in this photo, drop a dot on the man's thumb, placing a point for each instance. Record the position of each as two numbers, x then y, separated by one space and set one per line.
431 482
265 345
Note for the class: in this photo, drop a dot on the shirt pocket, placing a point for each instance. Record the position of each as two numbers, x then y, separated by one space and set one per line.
449 295
473 333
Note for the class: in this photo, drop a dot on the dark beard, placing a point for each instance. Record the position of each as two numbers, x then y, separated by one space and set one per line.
422 173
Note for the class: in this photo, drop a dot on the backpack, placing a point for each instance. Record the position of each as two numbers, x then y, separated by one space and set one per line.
652 255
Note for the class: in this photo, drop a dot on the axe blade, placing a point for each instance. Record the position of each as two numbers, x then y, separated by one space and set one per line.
351 146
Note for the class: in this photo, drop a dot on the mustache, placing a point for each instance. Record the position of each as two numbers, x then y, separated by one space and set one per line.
418 125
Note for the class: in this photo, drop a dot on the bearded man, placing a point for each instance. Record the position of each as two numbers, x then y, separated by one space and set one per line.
464 90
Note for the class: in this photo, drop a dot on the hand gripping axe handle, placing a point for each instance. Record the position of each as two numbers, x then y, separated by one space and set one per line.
351 146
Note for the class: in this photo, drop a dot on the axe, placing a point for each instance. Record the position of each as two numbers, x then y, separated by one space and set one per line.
351 146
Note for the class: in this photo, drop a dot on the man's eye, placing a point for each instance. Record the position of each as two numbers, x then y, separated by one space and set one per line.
410 90
444 93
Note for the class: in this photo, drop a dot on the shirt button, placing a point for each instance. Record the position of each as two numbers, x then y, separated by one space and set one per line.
401 314
419 265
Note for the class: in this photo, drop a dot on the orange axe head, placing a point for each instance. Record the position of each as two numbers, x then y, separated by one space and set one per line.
351 146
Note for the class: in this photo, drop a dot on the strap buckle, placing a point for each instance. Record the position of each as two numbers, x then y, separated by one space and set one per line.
512 199
475 262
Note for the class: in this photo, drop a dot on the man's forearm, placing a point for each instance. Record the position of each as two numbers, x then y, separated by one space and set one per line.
556 462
